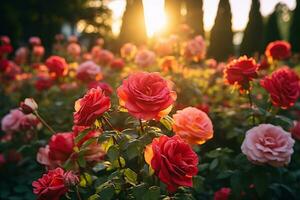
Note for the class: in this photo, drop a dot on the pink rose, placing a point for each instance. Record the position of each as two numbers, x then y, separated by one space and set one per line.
35 41
88 71
11 122
193 125
144 58
21 55
38 50
43 158
108 90
195 49
128 51
103 57
269 144
296 130
74 49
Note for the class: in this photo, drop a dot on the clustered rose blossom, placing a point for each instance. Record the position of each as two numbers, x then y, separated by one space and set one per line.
57 66
144 58
74 49
128 51
195 49
88 71
93 105
61 148
296 130
278 50
268 144
222 194
283 86
117 63
173 160
146 95
102 57
193 125
16 121
9 69
43 82
54 184
240 72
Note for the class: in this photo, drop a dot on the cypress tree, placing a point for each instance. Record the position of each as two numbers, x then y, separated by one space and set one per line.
221 45
272 30
194 16
253 35
133 27
172 8
295 29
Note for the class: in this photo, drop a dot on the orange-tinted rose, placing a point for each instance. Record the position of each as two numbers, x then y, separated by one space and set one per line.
278 50
283 86
90 107
240 72
173 160
146 95
57 66
193 125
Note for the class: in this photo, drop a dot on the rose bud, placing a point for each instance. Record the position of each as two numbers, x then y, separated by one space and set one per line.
28 106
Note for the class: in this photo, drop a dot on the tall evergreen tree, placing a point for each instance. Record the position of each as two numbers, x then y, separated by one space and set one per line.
133 28
253 35
221 36
194 16
173 9
295 29
272 30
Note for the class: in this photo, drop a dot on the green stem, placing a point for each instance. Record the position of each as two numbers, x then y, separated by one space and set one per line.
44 122
78 194
142 126
251 107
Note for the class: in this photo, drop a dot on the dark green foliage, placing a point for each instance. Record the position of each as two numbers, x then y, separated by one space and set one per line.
221 46
133 27
253 35
194 16
295 29
272 30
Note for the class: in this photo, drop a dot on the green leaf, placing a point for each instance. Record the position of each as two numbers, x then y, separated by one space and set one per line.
260 182
81 161
130 176
94 197
198 183
107 144
139 191
167 121
213 164
133 149
88 142
81 135
113 153
99 167
153 193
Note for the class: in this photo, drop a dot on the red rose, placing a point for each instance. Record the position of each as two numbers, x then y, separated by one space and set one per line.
283 86
5 49
90 107
173 160
278 50
54 184
104 86
222 194
4 64
296 130
57 66
240 72
117 64
43 82
61 146
146 95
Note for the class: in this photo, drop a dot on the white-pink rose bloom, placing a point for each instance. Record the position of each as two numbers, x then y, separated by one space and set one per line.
268 144
88 70
12 121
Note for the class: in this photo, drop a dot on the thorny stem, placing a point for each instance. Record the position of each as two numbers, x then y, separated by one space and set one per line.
44 122
142 127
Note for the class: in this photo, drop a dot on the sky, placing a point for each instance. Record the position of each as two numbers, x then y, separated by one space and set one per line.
156 19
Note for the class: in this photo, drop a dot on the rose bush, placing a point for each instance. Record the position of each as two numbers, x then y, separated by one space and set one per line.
155 122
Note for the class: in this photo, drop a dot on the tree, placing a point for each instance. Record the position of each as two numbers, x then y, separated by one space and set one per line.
272 30
254 32
221 34
133 27
194 16
172 9
295 29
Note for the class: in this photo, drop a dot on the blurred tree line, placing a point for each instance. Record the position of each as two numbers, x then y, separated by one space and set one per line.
21 19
